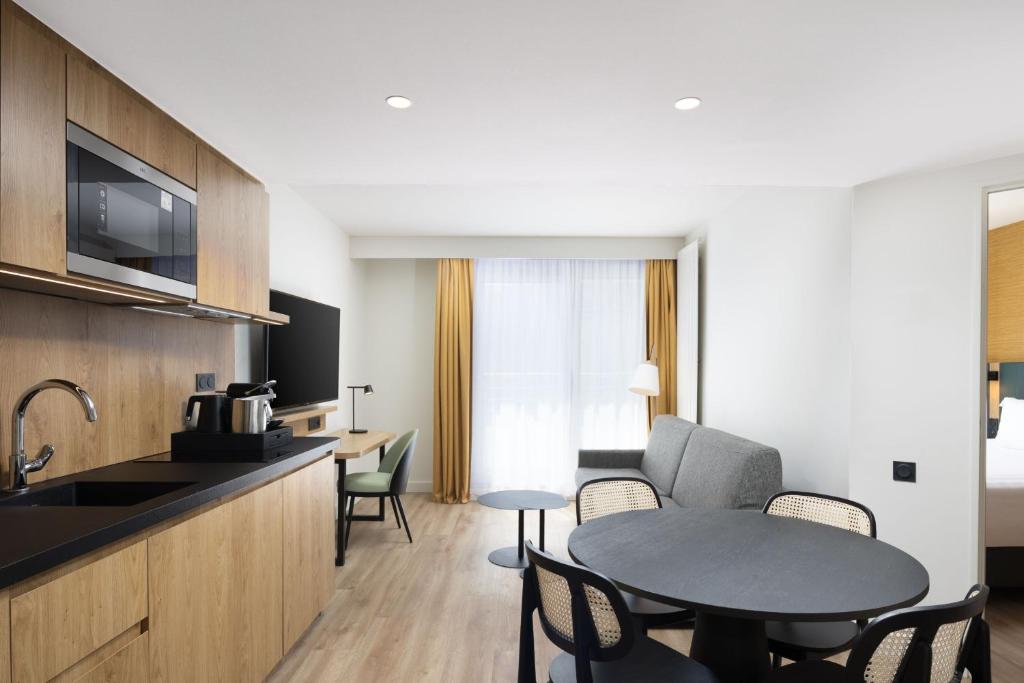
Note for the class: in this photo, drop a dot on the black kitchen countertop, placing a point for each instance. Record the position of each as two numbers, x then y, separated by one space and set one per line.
40 538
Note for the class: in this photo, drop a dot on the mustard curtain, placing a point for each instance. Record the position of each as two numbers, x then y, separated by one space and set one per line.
660 301
453 364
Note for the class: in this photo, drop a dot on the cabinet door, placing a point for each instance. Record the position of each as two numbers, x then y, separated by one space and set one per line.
215 592
130 664
99 102
33 192
59 623
308 546
233 229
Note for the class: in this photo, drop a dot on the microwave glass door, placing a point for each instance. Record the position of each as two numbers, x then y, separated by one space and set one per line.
119 217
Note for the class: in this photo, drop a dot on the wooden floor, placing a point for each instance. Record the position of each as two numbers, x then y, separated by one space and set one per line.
437 610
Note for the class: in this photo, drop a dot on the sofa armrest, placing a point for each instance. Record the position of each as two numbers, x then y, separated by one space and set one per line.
604 459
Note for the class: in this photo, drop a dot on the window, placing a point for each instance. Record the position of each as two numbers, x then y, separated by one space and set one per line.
555 343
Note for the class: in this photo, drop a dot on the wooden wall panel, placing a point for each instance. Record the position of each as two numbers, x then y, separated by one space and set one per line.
215 585
139 368
33 187
1006 294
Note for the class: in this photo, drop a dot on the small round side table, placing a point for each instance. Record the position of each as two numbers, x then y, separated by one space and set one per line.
514 557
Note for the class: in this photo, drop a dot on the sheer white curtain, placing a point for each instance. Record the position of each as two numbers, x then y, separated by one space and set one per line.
554 345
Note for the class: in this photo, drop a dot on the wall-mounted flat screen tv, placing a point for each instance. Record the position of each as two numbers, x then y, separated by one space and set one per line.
303 355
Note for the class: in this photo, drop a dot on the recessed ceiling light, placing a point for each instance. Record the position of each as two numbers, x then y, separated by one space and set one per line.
399 102
687 103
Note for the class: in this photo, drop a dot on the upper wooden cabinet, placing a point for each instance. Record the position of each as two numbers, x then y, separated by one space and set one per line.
101 103
33 198
45 82
234 230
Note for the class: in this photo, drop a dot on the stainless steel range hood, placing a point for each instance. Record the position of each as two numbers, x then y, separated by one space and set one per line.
202 312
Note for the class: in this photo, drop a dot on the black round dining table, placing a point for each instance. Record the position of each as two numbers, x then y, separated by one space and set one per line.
737 569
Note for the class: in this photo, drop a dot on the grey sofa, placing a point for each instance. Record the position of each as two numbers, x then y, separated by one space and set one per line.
693 466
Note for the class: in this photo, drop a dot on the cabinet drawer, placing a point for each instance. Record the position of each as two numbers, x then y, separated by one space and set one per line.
130 664
57 624
100 103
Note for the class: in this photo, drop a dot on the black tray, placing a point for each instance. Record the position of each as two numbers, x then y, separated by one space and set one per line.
203 442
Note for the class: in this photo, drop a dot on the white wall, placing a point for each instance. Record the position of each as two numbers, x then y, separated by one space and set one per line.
309 257
917 363
775 364
398 358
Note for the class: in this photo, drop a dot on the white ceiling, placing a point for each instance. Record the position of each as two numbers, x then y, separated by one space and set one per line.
574 95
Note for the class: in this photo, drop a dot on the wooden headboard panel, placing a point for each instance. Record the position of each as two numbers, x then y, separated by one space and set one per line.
1006 293
139 367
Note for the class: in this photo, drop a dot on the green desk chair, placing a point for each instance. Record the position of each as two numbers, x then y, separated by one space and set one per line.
389 481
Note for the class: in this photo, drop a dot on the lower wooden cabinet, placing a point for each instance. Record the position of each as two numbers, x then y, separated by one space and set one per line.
60 623
130 664
215 586
308 546
221 596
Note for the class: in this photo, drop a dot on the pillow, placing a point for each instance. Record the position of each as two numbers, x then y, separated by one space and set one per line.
1011 423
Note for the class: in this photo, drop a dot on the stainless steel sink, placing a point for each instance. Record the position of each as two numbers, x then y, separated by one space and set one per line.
95 494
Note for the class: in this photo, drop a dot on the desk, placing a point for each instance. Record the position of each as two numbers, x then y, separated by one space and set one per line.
353 446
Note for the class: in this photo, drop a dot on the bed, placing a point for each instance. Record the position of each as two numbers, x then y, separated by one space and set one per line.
1004 515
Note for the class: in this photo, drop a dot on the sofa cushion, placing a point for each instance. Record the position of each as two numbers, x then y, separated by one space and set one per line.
720 470
665 447
585 474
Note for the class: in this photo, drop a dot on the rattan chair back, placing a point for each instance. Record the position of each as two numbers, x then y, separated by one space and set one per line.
919 644
606 496
817 507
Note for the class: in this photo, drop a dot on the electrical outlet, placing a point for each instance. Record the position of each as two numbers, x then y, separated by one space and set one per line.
904 471
206 381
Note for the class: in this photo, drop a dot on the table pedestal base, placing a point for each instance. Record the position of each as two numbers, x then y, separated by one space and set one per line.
508 557
736 650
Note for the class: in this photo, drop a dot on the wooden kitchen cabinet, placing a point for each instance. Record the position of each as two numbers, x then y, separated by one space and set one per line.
130 664
308 546
234 232
33 192
215 586
60 623
102 104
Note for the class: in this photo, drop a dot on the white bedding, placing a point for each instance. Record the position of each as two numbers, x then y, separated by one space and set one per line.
1004 514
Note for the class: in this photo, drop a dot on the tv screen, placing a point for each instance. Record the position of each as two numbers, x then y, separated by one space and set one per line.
303 355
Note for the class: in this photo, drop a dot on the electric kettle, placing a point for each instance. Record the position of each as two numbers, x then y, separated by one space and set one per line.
207 413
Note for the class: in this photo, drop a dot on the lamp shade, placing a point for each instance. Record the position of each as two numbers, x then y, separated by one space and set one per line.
645 380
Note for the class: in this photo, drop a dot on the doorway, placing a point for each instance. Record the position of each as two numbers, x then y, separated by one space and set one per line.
1002 464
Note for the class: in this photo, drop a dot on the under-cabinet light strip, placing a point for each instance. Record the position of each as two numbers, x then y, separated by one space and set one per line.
55 281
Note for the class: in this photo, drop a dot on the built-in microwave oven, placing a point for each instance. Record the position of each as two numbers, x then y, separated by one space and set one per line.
127 221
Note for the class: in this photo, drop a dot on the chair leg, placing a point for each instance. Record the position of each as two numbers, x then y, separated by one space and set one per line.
348 522
405 521
395 509
776 661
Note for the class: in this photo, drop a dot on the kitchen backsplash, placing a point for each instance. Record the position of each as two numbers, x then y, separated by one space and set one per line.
139 367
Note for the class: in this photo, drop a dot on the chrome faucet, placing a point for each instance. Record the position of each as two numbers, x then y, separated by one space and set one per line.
20 464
